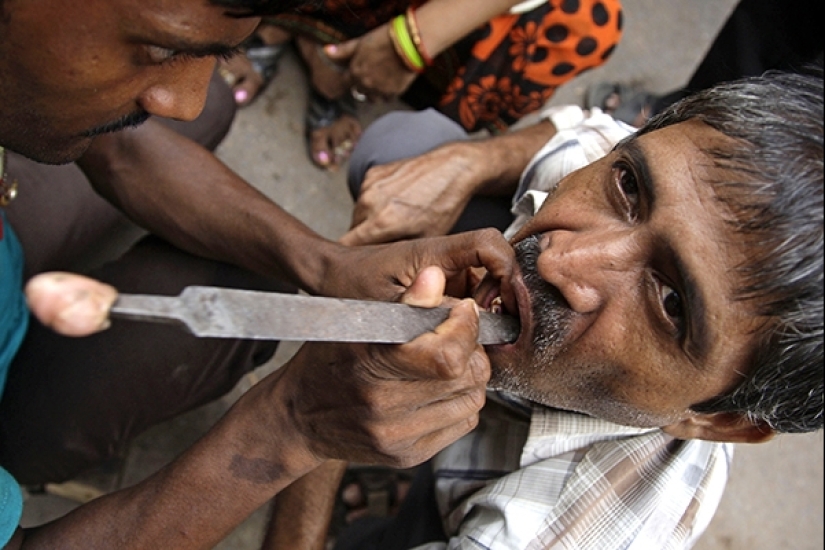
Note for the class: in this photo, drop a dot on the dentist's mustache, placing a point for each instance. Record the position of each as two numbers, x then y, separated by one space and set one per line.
129 121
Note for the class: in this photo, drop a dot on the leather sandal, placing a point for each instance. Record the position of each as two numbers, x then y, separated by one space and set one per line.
379 487
631 105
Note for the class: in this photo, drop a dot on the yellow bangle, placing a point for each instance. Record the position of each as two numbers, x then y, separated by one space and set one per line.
415 32
404 45
399 52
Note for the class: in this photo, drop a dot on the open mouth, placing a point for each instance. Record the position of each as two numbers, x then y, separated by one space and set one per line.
491 300
496 306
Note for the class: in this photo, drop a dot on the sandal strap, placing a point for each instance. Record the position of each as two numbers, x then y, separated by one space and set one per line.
632 100
264 59
322 111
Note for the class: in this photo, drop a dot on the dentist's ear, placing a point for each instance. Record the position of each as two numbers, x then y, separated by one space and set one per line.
723 427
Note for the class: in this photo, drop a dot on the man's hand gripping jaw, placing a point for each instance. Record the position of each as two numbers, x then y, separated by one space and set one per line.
386 272
390 404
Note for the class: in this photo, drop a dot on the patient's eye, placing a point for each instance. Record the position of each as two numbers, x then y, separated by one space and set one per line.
672 305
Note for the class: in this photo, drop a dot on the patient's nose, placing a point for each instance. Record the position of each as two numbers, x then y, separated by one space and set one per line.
589 267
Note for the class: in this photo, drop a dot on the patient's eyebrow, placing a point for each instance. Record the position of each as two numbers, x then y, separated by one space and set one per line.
697 340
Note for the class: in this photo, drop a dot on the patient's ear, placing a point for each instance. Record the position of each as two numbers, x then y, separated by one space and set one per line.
723 427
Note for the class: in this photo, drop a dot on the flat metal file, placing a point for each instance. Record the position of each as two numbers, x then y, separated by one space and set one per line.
212 312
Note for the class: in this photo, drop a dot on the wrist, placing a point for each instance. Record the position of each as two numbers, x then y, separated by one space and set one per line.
313 262
509 154
277 430
404 45
415 33
476 172
500 168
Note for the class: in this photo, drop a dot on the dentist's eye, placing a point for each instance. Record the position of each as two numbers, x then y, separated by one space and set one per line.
159 55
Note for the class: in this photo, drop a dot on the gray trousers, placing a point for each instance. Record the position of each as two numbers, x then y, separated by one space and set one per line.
71 403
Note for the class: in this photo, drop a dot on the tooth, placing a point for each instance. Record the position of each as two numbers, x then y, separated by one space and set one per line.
495 305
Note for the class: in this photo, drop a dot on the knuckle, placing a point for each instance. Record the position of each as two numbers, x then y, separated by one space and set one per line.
489 235
384 220
476 399
443 358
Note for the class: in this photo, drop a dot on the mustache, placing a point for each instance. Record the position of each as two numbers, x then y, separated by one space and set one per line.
551 313
131 120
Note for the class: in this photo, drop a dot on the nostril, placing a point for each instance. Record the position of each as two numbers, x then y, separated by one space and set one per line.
583 299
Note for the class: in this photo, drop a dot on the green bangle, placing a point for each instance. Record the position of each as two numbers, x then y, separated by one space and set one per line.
405 42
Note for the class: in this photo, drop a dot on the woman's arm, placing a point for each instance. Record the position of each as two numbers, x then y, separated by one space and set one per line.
375 68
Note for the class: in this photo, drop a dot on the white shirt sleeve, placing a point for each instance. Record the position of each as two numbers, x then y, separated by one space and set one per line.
582 137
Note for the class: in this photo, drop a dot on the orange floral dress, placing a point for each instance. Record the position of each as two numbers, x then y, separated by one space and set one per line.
502 71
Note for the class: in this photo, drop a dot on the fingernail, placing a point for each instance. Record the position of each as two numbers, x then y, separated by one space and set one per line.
87 308
475 305
241 95
331 49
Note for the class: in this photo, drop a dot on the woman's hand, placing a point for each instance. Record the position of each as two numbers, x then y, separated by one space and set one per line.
375 70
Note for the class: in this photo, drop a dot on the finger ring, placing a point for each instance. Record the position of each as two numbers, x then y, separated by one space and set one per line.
358 95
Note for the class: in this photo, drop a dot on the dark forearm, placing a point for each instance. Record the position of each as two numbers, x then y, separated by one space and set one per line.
180 191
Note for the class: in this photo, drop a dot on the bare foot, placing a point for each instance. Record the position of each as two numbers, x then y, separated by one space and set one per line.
614 101
325 75
330 146
388 502
621 101
332 127
246 82
249 72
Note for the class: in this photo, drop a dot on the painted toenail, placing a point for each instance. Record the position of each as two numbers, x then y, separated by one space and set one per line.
323 157
241 95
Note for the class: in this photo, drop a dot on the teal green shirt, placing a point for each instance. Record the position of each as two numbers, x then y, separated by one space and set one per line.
11 506
14 314
14 320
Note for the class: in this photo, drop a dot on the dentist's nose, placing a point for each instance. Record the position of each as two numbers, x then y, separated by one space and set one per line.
182 94
589 267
